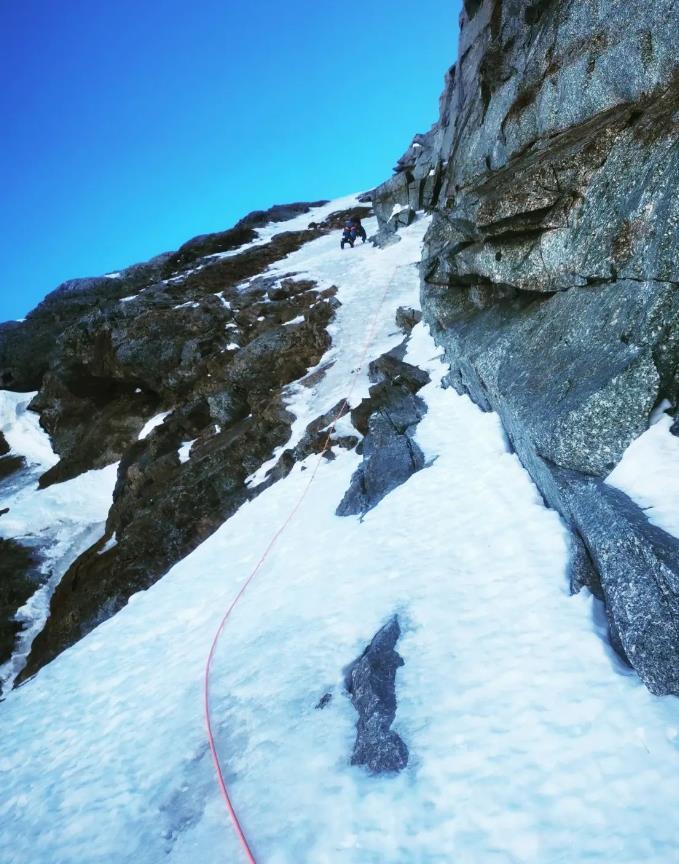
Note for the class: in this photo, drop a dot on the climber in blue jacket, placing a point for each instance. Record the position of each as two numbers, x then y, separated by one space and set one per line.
349 234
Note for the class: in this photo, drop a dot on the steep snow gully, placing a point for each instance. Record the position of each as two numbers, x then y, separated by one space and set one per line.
528 741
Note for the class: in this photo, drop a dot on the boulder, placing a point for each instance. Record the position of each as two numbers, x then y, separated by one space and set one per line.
388 419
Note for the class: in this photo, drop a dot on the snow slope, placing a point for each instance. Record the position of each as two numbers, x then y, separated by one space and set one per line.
648 473
60 522
528 741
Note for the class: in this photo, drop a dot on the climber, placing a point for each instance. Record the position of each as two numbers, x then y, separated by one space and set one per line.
349 234
360 230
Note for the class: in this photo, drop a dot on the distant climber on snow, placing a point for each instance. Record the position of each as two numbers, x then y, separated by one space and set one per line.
352 230
349 234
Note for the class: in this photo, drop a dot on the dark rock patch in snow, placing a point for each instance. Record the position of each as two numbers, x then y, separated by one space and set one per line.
324 701
407 318
370 681
387 419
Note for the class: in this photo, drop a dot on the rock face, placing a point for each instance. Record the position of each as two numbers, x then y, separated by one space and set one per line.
551 269
205 339
371 683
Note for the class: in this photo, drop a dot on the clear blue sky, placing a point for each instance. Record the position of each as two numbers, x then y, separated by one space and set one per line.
129 126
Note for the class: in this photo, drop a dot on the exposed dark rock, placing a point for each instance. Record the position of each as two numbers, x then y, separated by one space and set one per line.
337 218
19 579
163 508
387 419
324 701
123 362
550 271
407 318
243 232
26 347
278 213
371 682
4 446
10 465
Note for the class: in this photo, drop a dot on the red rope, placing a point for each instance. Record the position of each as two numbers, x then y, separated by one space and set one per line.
258 566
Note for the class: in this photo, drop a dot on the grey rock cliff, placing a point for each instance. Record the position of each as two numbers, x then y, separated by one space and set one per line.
551 269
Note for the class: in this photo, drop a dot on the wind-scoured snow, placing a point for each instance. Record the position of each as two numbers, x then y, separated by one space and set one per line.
649 471
529 743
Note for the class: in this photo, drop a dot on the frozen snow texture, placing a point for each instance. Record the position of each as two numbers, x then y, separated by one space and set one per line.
158 420
649 472
528 743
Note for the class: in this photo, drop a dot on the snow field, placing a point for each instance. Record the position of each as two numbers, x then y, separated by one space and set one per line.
528 743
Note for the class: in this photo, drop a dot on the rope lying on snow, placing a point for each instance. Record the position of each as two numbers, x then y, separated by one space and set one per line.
255 570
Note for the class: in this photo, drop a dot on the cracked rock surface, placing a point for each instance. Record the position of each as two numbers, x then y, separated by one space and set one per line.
550 271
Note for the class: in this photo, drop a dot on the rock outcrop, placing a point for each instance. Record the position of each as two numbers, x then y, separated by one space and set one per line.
205 340
19 577
551 269
370 681
387 419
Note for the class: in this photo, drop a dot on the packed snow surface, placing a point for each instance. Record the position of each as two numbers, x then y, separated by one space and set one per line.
648 473
529 743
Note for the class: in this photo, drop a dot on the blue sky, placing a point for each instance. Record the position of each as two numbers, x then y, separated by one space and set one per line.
130 126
